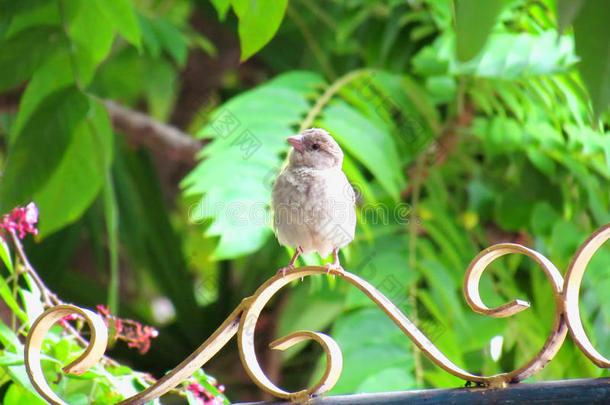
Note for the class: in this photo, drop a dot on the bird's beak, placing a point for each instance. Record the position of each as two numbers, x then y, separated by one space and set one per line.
296 141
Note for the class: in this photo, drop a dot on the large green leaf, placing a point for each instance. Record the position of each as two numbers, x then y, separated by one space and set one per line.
259 20
591 31
39 147
510 56
474 21
171 39
368 337
368 143
60 138
9 7
222 7
506 56
79 177
309 310
89 26
23 52
123 17
40 14
248 134
18 395
58 72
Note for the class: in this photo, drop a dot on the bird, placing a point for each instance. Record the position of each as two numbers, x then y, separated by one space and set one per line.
313 203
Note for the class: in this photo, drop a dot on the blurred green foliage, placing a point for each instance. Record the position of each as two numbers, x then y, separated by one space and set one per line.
464 123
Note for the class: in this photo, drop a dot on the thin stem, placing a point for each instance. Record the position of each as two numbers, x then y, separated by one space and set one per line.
112 224
48 297
320 13
312 43
13 315
328 94
417 181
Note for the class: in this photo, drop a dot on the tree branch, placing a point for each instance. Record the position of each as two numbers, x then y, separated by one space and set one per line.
144 129
137 126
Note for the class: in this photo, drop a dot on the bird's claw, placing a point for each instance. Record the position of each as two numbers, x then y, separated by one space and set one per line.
284 269
333 266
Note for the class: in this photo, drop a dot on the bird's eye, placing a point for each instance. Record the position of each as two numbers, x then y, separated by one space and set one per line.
315 146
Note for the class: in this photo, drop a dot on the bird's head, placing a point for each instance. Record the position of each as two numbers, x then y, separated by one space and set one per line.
316 149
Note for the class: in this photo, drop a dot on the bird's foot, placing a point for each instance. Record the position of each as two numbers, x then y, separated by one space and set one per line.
284 269
333 266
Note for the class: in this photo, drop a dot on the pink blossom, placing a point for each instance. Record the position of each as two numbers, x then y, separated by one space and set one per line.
21 220
134 333
65 321
31 213
206 397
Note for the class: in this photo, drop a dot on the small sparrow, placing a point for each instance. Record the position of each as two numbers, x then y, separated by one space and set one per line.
312 200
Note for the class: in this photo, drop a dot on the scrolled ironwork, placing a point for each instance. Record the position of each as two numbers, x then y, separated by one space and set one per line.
559 329
574 275
243 319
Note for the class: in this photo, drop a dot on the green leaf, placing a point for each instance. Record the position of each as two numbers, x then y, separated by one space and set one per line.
40 145
23 52
8 338
203 43
9 7
373 147
591 32
161 88
18 395
543 218
5 255
171 39
7 295
512 211
307 310
55 74
542 161
222 7
121 15
39 14
511 56
149 37
378 344
474 21
83 167
389 379
89 27
259 20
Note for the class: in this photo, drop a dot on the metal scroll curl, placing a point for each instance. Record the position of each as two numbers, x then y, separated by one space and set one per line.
576 270
243 319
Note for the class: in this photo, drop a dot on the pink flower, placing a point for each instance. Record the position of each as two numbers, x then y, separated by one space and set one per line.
103 310
21 220
205 396
134 333
65 321
31 213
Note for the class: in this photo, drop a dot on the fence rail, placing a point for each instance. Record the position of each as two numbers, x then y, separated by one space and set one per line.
563 392
242 322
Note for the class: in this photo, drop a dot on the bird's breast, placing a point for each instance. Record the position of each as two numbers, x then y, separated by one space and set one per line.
313 209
